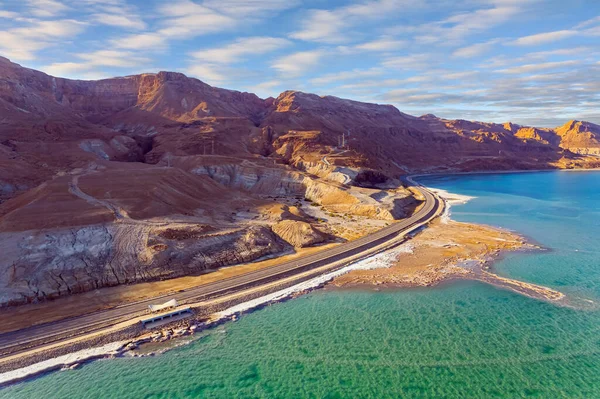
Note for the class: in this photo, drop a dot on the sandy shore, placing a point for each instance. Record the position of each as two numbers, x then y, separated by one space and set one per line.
452 250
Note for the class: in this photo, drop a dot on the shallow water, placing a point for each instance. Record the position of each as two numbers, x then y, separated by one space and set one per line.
464 339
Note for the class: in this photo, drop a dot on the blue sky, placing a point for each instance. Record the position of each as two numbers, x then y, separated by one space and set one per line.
528 61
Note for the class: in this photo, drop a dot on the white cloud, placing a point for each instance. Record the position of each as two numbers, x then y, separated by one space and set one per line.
90 63
250 8
454 29
346 75
207 73
65 28
297 64
464 75
592 31
589 22
119 20
268 84
438 53
187 19
466 24
19 48
113 58
322 26
367 86
241 48
65 68
418 79
403 92
528 68
543 38
559 52
23 43
502 60
329 26
142 41
475 50
266 89
178 20
8 14
46 8
412 61
382 44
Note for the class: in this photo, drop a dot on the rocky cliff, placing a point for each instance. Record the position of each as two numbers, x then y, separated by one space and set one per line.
42 264
580 137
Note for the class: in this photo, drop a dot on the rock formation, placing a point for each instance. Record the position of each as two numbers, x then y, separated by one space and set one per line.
299 234
580 137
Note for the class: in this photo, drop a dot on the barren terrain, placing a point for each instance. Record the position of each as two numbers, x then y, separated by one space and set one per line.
159 176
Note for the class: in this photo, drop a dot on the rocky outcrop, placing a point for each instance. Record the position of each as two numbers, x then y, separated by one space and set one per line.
39 265
215 250
298 234
266 181
325 170
119 148
580 137
270 181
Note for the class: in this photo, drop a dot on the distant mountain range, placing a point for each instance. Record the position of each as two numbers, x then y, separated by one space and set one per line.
51 124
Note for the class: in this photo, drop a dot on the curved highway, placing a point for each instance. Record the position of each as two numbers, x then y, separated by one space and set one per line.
18 341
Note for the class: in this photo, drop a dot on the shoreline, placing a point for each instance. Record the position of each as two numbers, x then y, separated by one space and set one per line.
190 326
466 269
200 323
476 265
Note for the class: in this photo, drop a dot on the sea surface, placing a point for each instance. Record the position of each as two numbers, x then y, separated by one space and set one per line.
460 340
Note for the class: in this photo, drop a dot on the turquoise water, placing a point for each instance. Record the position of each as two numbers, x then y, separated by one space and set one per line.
559 210
461 340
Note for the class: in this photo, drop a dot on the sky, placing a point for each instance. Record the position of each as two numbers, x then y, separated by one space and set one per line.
532 62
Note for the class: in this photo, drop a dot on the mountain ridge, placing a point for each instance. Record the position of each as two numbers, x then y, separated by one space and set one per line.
156 176
146 116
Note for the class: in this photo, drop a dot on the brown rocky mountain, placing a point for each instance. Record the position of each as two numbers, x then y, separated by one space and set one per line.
580 137
160 175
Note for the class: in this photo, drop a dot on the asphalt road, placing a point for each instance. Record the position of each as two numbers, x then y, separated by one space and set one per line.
43 334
